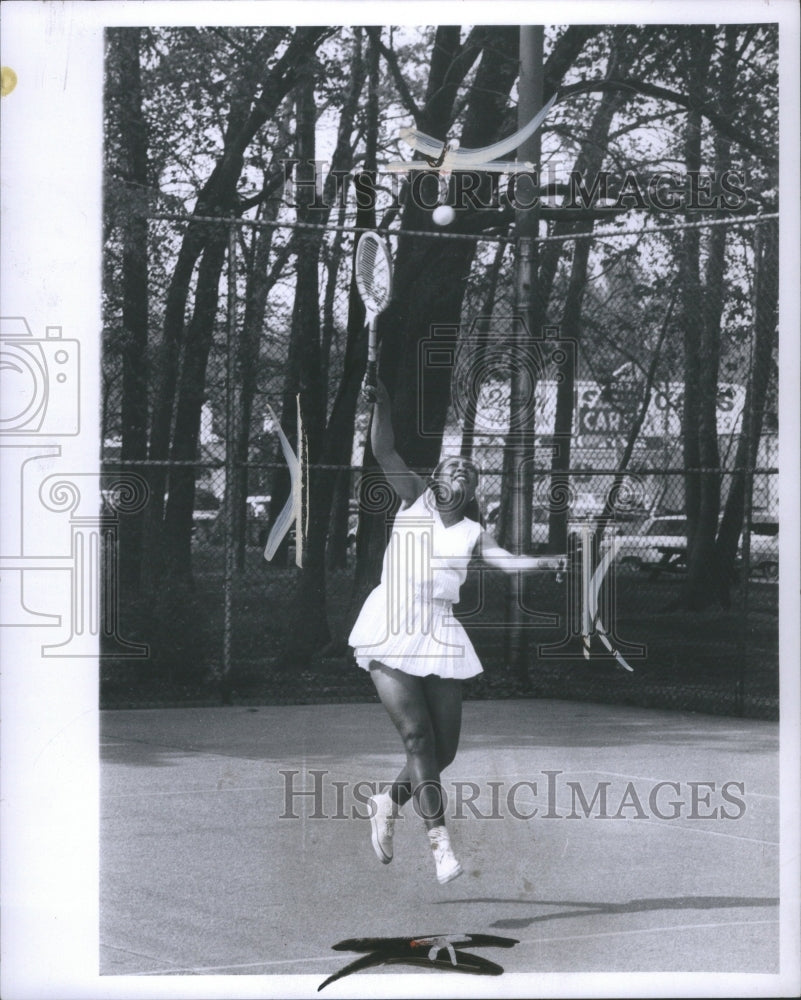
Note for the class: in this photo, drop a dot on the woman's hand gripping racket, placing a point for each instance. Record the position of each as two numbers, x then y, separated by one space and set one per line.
373 272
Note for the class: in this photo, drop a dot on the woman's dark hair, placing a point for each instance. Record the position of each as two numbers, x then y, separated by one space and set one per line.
451 458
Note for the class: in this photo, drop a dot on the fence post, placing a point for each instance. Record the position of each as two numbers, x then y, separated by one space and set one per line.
522 436
230 457
746 425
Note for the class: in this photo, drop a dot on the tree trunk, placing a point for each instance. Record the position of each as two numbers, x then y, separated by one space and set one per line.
702 364
303 381
259 282
177 540
133 131
337 543
341 425
339 533
700 52
484 327
702 569
332 264
766 294
560 489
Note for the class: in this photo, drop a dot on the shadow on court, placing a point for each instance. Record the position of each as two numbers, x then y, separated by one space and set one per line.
585 908
234 840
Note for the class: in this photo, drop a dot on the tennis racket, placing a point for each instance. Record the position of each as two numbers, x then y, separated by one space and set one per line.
373 273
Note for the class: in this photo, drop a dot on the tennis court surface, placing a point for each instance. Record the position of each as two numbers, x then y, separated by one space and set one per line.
602 839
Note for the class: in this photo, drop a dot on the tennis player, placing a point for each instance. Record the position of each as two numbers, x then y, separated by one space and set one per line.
408 638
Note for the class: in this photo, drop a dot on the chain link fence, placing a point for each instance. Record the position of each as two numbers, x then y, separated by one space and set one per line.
649 366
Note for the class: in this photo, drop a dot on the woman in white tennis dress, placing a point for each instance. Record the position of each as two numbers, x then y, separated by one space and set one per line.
406 634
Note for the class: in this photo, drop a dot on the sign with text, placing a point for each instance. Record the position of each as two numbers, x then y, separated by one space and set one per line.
610 411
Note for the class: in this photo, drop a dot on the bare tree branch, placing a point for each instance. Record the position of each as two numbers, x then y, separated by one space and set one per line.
718 121
391 59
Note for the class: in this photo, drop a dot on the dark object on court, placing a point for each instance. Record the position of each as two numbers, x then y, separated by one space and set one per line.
438 951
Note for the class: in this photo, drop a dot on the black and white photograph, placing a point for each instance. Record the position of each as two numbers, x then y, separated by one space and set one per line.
399 431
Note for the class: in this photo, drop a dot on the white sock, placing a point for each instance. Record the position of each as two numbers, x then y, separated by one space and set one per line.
386 805
440 839
446 863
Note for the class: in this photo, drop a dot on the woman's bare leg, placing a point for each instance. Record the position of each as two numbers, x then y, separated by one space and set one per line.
427 713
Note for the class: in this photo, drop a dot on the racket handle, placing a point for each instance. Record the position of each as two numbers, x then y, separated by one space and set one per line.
370 383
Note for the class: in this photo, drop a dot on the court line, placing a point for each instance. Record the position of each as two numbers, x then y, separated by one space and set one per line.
716 833
272 788
242 965
176 748
683 827
637 777
212 789
568 774
128 951
649 930
190 791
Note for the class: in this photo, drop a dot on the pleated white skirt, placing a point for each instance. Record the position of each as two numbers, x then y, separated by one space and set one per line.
419 637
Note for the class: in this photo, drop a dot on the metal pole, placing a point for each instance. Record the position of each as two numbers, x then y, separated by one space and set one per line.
523 382
230 469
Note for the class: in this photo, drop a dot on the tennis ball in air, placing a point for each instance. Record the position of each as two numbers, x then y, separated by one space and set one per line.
443 215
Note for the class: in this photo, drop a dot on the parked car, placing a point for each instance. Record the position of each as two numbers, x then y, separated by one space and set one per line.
539 522
585 505
257 510
660 543
204 516
764 555
258 506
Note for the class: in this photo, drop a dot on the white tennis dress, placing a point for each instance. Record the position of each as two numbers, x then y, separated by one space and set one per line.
407 622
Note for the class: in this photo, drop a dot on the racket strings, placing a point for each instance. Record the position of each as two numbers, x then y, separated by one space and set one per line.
373 273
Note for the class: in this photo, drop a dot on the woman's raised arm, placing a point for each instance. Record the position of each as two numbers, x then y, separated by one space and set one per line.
407 484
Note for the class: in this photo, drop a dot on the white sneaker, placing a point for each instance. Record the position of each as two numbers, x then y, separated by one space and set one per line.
383 812
448 867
